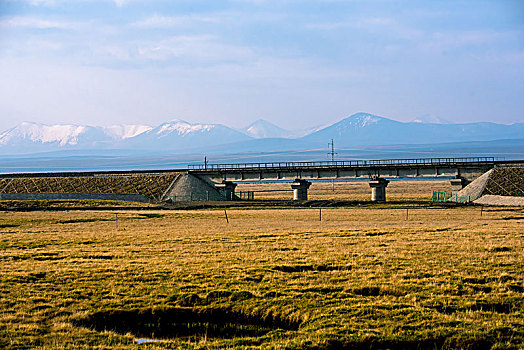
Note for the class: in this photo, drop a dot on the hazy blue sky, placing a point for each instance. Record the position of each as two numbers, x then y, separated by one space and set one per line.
295 63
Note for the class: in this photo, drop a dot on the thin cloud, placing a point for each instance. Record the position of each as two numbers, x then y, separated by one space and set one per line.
199 48
36 23
158 21
443 40
384 25
120 3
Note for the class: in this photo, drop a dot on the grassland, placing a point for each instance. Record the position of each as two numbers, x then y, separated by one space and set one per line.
363 277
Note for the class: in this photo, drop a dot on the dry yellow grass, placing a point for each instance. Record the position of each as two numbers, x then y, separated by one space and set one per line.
362 277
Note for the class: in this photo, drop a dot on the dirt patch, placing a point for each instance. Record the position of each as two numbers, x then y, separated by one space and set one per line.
509 201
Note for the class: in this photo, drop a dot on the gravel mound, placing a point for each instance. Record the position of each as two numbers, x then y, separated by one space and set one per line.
476 188
490 199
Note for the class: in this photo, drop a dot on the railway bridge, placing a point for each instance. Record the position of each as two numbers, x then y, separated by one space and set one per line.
461 171
218 181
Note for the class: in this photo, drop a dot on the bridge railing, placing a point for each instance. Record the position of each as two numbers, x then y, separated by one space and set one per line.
344 163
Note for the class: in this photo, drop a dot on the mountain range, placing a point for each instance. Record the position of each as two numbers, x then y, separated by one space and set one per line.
178 136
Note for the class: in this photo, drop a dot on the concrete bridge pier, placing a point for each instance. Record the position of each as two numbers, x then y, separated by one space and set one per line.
300 188
227 189
458 183
378 189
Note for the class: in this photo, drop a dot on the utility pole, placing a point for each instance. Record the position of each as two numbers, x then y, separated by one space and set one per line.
332 153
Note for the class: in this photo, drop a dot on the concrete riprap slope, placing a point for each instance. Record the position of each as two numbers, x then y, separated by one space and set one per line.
109 186
498 186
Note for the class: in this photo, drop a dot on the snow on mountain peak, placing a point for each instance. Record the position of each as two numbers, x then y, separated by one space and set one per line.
63 134
432 119
360 120
125 131
181 128
263 129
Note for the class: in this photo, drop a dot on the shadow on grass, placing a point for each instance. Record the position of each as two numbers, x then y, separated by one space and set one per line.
221 323
406 344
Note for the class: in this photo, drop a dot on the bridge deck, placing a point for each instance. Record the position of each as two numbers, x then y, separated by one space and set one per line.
347 164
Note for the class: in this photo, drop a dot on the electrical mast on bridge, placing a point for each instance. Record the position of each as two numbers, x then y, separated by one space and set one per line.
332 153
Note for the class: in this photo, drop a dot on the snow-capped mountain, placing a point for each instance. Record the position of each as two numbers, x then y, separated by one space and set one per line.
354 129
29 137
179 134
262 129
368 129
34 137
39 133
125 131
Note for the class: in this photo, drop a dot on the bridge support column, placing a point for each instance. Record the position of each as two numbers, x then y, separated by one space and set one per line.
378 189
300 188
227 189
457 184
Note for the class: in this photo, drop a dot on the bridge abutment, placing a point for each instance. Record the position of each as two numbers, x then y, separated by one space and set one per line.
227 189
378 189
458 183
300 188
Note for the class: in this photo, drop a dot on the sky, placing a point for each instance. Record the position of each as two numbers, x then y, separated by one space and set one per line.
296 63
